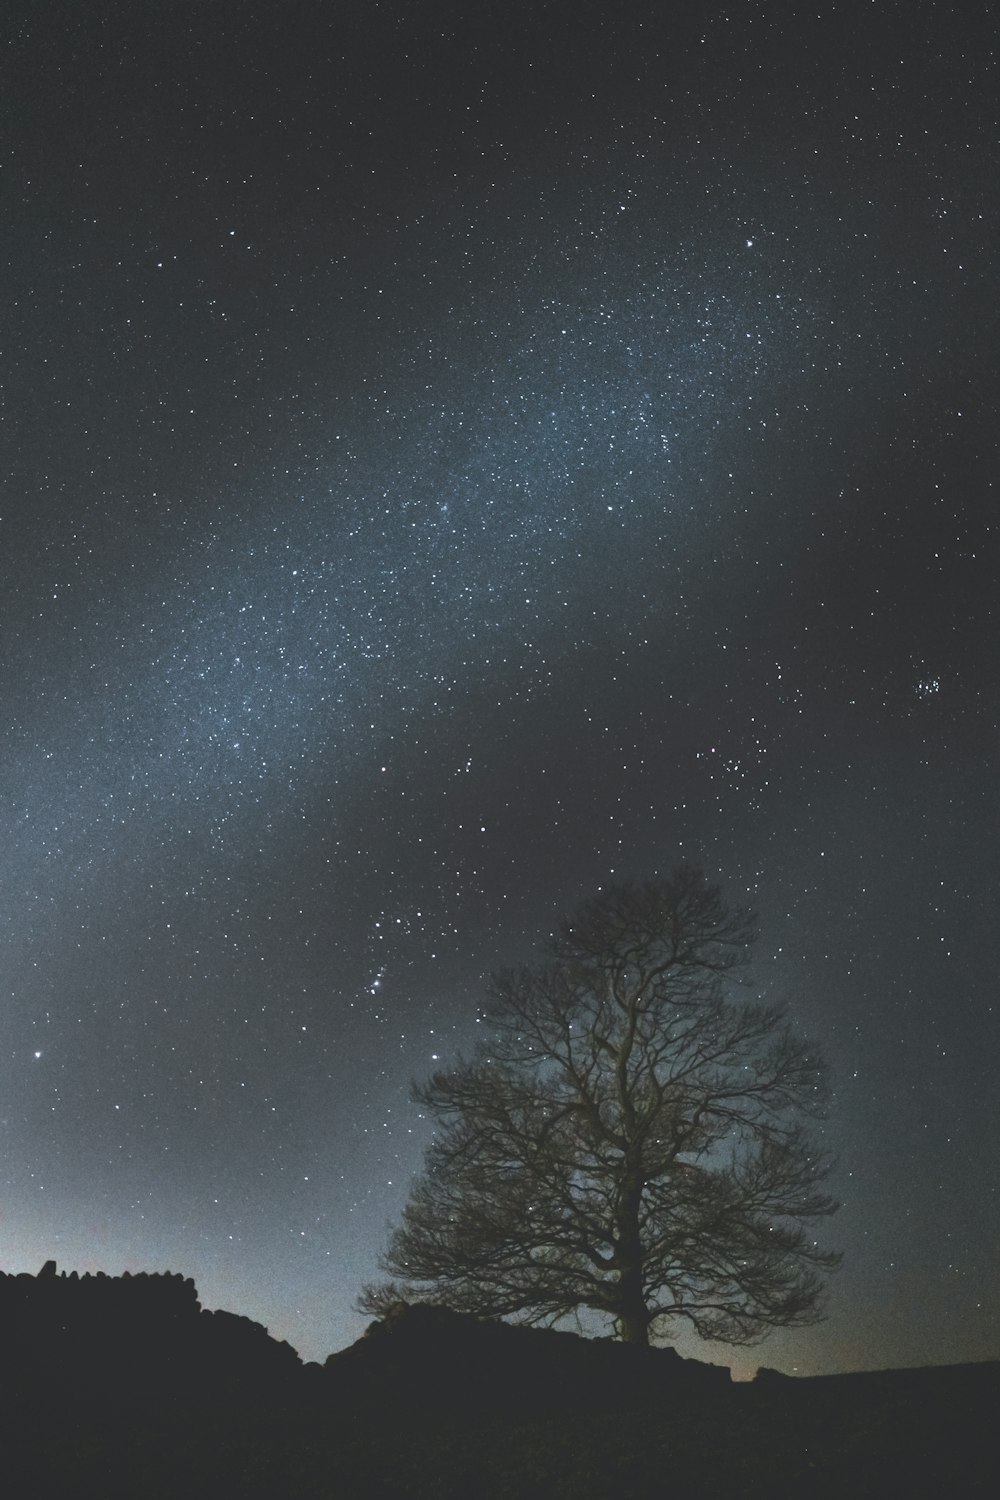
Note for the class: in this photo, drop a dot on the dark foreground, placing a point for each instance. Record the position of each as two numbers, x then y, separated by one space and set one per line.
112 1389
935 1437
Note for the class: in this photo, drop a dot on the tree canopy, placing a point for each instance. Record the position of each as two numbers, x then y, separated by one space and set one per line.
631 1139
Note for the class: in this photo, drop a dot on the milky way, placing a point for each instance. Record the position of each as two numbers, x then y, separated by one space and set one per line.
448 465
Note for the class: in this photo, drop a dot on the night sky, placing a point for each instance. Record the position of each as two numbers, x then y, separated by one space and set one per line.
454 455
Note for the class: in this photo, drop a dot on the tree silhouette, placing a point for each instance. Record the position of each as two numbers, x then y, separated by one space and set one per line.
630 1140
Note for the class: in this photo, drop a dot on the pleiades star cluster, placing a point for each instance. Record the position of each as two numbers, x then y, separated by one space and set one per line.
454 457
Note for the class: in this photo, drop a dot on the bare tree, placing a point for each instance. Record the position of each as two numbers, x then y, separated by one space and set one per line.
630 1141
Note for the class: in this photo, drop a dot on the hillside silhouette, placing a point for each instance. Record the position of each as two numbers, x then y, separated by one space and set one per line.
126 1386
144 1336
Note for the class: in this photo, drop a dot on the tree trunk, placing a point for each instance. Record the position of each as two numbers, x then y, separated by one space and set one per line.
633 1315
633 1327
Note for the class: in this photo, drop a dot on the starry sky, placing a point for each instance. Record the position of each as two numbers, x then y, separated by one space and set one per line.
454 456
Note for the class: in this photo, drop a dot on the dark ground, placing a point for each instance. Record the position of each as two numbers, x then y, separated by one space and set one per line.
936 1437
127 1388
